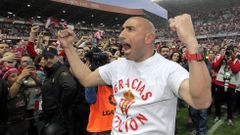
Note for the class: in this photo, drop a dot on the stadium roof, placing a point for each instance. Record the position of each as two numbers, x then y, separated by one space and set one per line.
176 7
146 5
42 9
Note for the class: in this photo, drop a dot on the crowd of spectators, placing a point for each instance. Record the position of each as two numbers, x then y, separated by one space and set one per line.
13 28
217 22
17 30
223 21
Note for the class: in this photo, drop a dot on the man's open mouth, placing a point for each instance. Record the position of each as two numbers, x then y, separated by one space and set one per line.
125 46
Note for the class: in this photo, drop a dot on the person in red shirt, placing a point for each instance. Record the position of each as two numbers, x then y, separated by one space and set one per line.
225 66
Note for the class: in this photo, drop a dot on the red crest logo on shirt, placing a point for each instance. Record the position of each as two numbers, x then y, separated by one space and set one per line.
126 102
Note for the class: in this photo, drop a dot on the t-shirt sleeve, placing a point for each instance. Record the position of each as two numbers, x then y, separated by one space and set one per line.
106 73
176 77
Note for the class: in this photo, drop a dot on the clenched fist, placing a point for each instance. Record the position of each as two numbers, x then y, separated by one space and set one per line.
182 24
66 37
34 29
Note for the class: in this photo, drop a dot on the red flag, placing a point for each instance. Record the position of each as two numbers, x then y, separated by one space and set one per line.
51 22
98 35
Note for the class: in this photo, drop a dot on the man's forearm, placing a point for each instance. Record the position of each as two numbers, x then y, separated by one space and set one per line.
199 82
13 90
80 70
32 37
197 90
39 42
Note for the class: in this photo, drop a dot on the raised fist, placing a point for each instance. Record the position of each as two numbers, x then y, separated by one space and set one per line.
34 29
182 24
66 37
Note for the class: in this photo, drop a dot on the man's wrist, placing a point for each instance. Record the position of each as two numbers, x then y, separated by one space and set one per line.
33 34
195 53
193 50
68 47
192 46
18 82
194 57
20 78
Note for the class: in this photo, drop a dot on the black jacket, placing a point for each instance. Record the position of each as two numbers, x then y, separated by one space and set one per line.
3 100
58 90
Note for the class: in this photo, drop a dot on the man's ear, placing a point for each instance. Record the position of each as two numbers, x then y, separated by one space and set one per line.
150 38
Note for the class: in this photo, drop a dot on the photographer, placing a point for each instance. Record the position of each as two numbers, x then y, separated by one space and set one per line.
235 64
224 82
16 125
28 84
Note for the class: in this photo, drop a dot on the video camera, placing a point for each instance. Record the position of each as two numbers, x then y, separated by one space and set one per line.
96 57
229 51
226 78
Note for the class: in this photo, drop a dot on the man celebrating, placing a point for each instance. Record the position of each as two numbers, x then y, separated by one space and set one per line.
145 84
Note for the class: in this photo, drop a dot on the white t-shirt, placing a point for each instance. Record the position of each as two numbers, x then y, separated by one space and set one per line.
145 93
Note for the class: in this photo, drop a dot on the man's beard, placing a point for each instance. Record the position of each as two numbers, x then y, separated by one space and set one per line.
49 70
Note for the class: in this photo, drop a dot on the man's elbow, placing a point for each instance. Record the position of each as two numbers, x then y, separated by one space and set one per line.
203 105
205 101
85 83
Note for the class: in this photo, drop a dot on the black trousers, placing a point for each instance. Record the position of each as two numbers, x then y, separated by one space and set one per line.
80 119
3 127
18 128
54 125
221 97
237 105
32 125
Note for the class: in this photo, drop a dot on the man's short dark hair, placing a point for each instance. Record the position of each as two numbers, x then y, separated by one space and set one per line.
164 46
